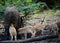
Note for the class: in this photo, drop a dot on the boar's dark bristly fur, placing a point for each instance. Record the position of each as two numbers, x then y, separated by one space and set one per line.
11 16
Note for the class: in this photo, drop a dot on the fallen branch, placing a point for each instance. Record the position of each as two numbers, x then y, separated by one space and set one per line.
39 38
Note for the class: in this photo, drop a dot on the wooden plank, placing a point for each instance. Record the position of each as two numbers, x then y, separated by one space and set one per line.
39 38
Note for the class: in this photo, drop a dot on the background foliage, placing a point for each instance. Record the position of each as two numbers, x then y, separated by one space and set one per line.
29 6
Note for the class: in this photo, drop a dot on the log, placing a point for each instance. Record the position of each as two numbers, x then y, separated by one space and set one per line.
39 38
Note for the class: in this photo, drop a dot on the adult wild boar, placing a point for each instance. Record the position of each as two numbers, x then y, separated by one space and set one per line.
11 15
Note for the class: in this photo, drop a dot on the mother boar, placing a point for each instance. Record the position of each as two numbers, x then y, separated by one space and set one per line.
11 15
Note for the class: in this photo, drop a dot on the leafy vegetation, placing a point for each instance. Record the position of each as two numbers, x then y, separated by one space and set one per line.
21 4
26 6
